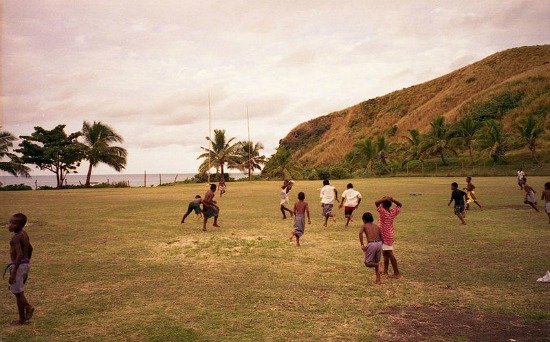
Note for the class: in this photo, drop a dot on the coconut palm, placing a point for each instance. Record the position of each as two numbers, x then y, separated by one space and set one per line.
250 154
98 138
222 152
466 132
493 140
437 142
413 144
281 165
366 153
383 151
13 165
530 129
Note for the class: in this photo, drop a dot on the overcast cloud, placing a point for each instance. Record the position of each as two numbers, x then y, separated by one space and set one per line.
147 68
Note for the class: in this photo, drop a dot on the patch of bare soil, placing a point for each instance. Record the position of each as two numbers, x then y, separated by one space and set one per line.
439 324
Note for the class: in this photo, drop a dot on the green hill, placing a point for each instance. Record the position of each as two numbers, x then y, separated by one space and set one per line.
505 86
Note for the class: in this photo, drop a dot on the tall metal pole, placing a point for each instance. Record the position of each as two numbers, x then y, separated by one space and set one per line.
249 146
209 137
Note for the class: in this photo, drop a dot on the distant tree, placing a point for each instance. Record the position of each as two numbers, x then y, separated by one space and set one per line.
98 139
412 148
53 150
437 142
467 130
251 158
9 162
366 153
493 140
281 165
529 131
383 151
222 152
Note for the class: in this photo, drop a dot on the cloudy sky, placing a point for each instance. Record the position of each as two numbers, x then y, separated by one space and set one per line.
147 68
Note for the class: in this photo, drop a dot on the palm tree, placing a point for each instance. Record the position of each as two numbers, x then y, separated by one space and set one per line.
220 153
282 165
383 150
98 139
413 147
366 153
467 130
250 154
494 140
437 141
530 130
14 166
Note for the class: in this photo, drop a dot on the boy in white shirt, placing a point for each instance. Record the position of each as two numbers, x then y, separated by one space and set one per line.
350 200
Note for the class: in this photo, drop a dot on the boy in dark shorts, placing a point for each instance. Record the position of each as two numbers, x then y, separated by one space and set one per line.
458 196
20 253
373 249
301 208
209 207
195 205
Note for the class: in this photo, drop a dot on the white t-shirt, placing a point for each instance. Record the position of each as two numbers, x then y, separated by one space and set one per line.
284 197
351 197
327 194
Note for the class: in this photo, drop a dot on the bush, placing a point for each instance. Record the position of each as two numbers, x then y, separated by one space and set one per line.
15 187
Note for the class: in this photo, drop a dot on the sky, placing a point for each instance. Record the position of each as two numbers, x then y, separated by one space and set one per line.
155 70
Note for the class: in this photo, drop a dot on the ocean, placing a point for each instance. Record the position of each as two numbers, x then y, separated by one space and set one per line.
133 180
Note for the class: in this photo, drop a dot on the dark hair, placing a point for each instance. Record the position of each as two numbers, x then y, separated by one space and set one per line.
350 186
212 186
198 196
367 218
325 182
469 178
547 185
301 196
386 204
21 218
454 185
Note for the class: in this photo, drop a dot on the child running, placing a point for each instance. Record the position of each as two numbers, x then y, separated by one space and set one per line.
287 186
373 249
458 196
328 195
546 197
20 253
529 195
386 216
301 208
470 193
351 198
195 205
209 207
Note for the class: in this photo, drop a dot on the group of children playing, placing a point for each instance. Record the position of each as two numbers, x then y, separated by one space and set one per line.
379 238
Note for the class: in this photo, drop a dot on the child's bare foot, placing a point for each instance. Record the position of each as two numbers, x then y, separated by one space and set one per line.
378 282
324 224
204 229
291 236
334 217
29 313
18 322
395 276
216 225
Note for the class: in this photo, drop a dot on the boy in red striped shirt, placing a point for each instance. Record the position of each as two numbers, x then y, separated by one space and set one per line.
386 215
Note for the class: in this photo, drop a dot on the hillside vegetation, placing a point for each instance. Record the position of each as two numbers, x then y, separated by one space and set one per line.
506 86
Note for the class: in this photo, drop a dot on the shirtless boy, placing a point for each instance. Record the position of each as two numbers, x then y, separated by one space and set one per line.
301 208
20 253
209 207
546 197
373 249
471 194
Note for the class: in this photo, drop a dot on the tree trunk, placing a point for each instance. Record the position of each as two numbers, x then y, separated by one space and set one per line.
88 176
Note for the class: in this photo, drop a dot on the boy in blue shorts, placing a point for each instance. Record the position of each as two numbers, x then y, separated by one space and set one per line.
195 205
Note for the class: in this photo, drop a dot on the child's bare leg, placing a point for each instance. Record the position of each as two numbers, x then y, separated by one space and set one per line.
347 222
215 221
333 217
22 304
326 221
291 235
381 266
393 261
534 206
479 205
377 272
184 216
204 223
461 217
297 241
386 262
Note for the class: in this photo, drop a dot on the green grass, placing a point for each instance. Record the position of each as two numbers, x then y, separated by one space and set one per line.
116 264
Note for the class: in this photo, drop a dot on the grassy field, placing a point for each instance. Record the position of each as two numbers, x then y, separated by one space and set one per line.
117 265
